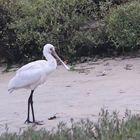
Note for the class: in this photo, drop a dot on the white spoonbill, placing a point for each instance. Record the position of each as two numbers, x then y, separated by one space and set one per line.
33 74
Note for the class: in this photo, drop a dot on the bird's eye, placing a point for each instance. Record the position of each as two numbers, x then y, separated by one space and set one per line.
51 50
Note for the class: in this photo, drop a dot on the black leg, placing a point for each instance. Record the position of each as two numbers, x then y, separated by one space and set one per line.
29 102
32 108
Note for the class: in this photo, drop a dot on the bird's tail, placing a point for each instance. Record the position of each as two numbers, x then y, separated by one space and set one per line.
11 85
10 90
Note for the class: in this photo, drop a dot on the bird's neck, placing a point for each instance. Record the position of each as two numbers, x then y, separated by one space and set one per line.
51 59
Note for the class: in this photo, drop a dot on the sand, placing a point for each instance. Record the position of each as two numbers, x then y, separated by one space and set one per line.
113 84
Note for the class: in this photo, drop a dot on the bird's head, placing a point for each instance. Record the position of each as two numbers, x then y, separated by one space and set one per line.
50 49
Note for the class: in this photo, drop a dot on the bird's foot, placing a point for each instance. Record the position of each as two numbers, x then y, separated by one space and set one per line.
28 121
34 122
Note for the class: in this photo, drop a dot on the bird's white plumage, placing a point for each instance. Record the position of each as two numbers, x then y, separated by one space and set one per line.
35 73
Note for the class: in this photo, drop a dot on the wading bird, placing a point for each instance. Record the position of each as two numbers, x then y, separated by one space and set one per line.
33 74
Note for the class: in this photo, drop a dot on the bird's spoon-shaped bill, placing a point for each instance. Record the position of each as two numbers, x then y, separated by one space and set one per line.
55 54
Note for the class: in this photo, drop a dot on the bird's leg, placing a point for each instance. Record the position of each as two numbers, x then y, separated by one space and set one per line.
35 122
29 102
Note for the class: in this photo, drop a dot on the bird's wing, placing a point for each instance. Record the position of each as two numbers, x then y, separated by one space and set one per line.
27 67
27 78
28 75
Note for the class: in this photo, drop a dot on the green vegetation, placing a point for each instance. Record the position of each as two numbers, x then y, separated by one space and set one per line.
108 127
76 28
123 26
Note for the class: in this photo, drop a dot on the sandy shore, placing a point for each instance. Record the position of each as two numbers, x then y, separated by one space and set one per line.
113 84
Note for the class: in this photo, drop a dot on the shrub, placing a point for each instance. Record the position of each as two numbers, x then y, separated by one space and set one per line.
123 25
66 24
56 22
8 48
75 27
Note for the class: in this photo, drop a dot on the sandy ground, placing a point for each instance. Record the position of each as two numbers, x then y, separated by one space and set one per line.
113 84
